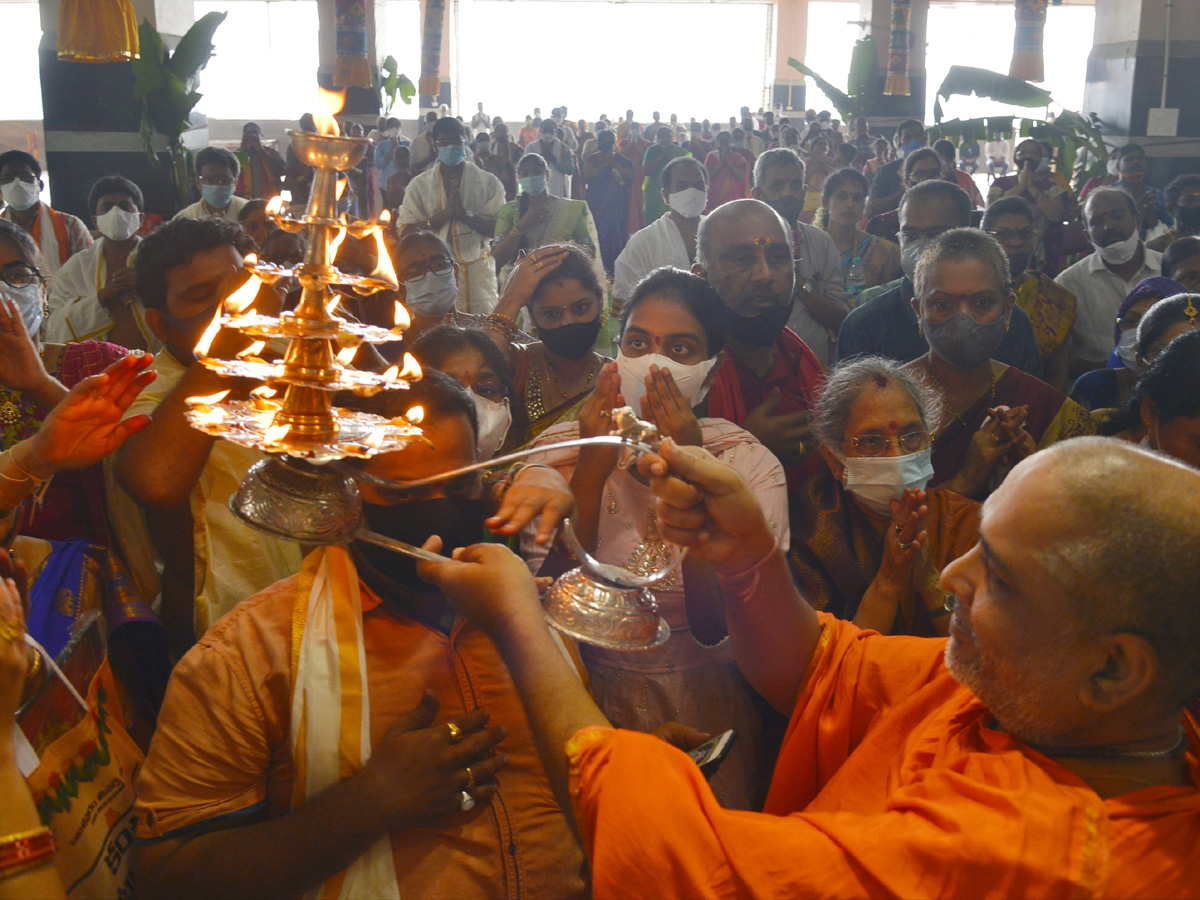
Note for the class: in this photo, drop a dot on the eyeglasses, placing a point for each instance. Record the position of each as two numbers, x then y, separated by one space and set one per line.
21 275
916 234
437 267
28 178
216 182
875 444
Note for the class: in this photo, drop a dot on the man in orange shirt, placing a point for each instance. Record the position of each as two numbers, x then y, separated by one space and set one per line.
343 729
1042 751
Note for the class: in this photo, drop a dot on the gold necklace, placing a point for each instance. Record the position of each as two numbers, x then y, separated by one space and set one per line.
942 390
590 375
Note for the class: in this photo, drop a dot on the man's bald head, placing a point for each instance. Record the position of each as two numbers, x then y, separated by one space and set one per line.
738 217
1129 550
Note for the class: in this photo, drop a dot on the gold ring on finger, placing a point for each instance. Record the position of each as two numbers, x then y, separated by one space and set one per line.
899 530
465 801
455 732
904 546
8 630
470 778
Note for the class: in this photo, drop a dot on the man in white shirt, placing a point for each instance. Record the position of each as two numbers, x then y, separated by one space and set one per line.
217 172
821 298
1102 280
182 478
460 203
92 297
557 156
669 240
59 235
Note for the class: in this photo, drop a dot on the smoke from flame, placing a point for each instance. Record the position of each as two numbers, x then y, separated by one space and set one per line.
329 104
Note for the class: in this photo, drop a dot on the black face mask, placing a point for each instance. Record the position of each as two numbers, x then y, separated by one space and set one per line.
571 341
1187 219
1018 263
789 207
458 522
759 331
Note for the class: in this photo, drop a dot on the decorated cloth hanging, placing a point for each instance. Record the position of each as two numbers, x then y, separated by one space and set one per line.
1028 59
431 47
897 73
350 64
97 31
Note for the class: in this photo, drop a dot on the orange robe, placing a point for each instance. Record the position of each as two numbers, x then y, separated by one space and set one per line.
889 784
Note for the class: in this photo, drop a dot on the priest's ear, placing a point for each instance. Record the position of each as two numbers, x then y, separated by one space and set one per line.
1128 673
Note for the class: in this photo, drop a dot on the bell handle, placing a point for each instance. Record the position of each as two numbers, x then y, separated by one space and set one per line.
615 576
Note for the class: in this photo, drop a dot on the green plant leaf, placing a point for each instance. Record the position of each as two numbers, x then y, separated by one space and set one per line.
148 69
407 89
967 80
841 102
195 48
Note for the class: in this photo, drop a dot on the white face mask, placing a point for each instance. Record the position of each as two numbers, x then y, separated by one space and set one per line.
118 224
31 302
1122 251
494 421
692 381
1127 350
689 202
1114 168
431 295
878 480
20 195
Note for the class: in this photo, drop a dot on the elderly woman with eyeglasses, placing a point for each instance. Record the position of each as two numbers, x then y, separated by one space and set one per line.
868 541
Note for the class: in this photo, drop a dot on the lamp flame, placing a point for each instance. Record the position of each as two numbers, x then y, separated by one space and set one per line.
207 399
263 390
345 355
253 350
402 318
383 262
416 415
391 374
385 217
210 333
411 370
329 104
334 303
274 205
341 188
213 416
336 243
250 259
276 433
241 299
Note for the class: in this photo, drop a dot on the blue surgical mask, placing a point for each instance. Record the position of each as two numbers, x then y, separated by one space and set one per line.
739 145
454 155
432 295
533 185
914 144
878 480
217 196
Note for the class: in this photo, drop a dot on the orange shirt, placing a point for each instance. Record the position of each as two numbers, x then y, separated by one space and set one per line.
889 784
222 746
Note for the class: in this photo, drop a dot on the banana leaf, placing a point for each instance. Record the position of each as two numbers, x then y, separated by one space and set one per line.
393 84
844 104
861 82
967 80
195 49
149 73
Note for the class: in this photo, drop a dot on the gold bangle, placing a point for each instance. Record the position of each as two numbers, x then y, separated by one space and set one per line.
33 681
12 458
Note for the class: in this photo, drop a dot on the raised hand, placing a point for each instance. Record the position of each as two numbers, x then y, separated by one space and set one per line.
666 407
790 436
21 367
87 425
904 538
526 275
536 490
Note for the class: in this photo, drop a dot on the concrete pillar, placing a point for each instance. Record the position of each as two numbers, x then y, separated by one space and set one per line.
360 101
429 102
1125 76
92 121
879 14
791 40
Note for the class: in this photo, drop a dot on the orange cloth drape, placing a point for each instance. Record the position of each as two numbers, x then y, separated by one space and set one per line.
97 31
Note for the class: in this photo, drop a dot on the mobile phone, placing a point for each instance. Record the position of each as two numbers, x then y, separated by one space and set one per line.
710 754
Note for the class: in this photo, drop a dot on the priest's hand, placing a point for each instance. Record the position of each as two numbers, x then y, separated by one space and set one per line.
487 583
706 505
